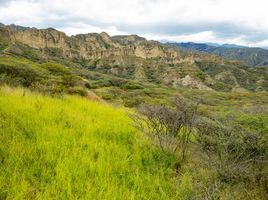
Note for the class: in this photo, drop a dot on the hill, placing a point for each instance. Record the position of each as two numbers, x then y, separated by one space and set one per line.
75 148
251 56
69 107
132 58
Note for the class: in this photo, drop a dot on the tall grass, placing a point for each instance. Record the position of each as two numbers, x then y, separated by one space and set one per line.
73 148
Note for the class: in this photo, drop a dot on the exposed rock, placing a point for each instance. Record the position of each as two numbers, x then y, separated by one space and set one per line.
144 60
186 81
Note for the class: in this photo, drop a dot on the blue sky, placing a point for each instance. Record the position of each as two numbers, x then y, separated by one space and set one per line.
243 22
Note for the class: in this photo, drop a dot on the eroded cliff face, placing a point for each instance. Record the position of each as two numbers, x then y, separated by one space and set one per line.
96 46
47 38
121 50
187 81
129 56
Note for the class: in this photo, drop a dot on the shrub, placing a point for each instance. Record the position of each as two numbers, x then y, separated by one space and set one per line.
55 52
132 86
88 86
131 102
77 90
169 127
24 74
117 82
221 87
236 155
56 69
106 96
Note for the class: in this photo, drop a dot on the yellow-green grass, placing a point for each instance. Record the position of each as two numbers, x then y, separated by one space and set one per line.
73 148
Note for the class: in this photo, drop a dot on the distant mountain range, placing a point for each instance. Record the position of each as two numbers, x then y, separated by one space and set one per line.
250 56
224 45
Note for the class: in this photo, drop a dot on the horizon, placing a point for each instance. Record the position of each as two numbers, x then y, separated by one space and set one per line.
161 41
209 21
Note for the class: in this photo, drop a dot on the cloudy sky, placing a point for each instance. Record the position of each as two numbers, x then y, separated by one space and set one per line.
243 22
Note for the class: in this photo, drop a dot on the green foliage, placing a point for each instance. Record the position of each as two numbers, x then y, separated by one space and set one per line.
221 87
131 102
3 44
56 69
55 52
78 91
88 85
151 76
51 78
101 83
72 148
22 74
25 51
201 76
132 86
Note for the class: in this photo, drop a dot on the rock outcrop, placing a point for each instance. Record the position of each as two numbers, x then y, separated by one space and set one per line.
133 57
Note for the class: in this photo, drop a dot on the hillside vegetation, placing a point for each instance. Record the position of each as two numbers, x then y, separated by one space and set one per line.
74 148
130 57
98 117
71 147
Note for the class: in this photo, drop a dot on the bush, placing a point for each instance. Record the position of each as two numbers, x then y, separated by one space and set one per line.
56 69
169 127
25 75
221 87
77 90
132 86
55 52
101 83
117 82
88 86
106 96
131 102
235 154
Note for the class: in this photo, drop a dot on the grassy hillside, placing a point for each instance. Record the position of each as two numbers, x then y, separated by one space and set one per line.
56 145
73 148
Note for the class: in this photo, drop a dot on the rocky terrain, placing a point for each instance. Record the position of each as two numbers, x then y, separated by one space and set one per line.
133 57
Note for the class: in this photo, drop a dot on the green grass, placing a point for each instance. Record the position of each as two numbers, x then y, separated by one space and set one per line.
73 148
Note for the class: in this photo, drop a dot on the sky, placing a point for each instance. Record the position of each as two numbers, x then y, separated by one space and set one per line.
241 22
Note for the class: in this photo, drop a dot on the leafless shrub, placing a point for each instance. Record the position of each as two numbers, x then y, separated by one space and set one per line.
210 191
168 127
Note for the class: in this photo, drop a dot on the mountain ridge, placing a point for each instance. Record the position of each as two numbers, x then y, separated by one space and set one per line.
134 58
252 56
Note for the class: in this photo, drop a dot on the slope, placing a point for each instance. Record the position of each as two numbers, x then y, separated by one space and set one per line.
133 58
72 148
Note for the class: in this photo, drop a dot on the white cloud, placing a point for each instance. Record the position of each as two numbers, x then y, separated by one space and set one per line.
222 21
79 28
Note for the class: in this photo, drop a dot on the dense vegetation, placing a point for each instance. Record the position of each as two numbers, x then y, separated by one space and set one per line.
74 148
70 147
111 129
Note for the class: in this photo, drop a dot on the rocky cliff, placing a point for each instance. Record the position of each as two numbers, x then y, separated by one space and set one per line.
135 57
